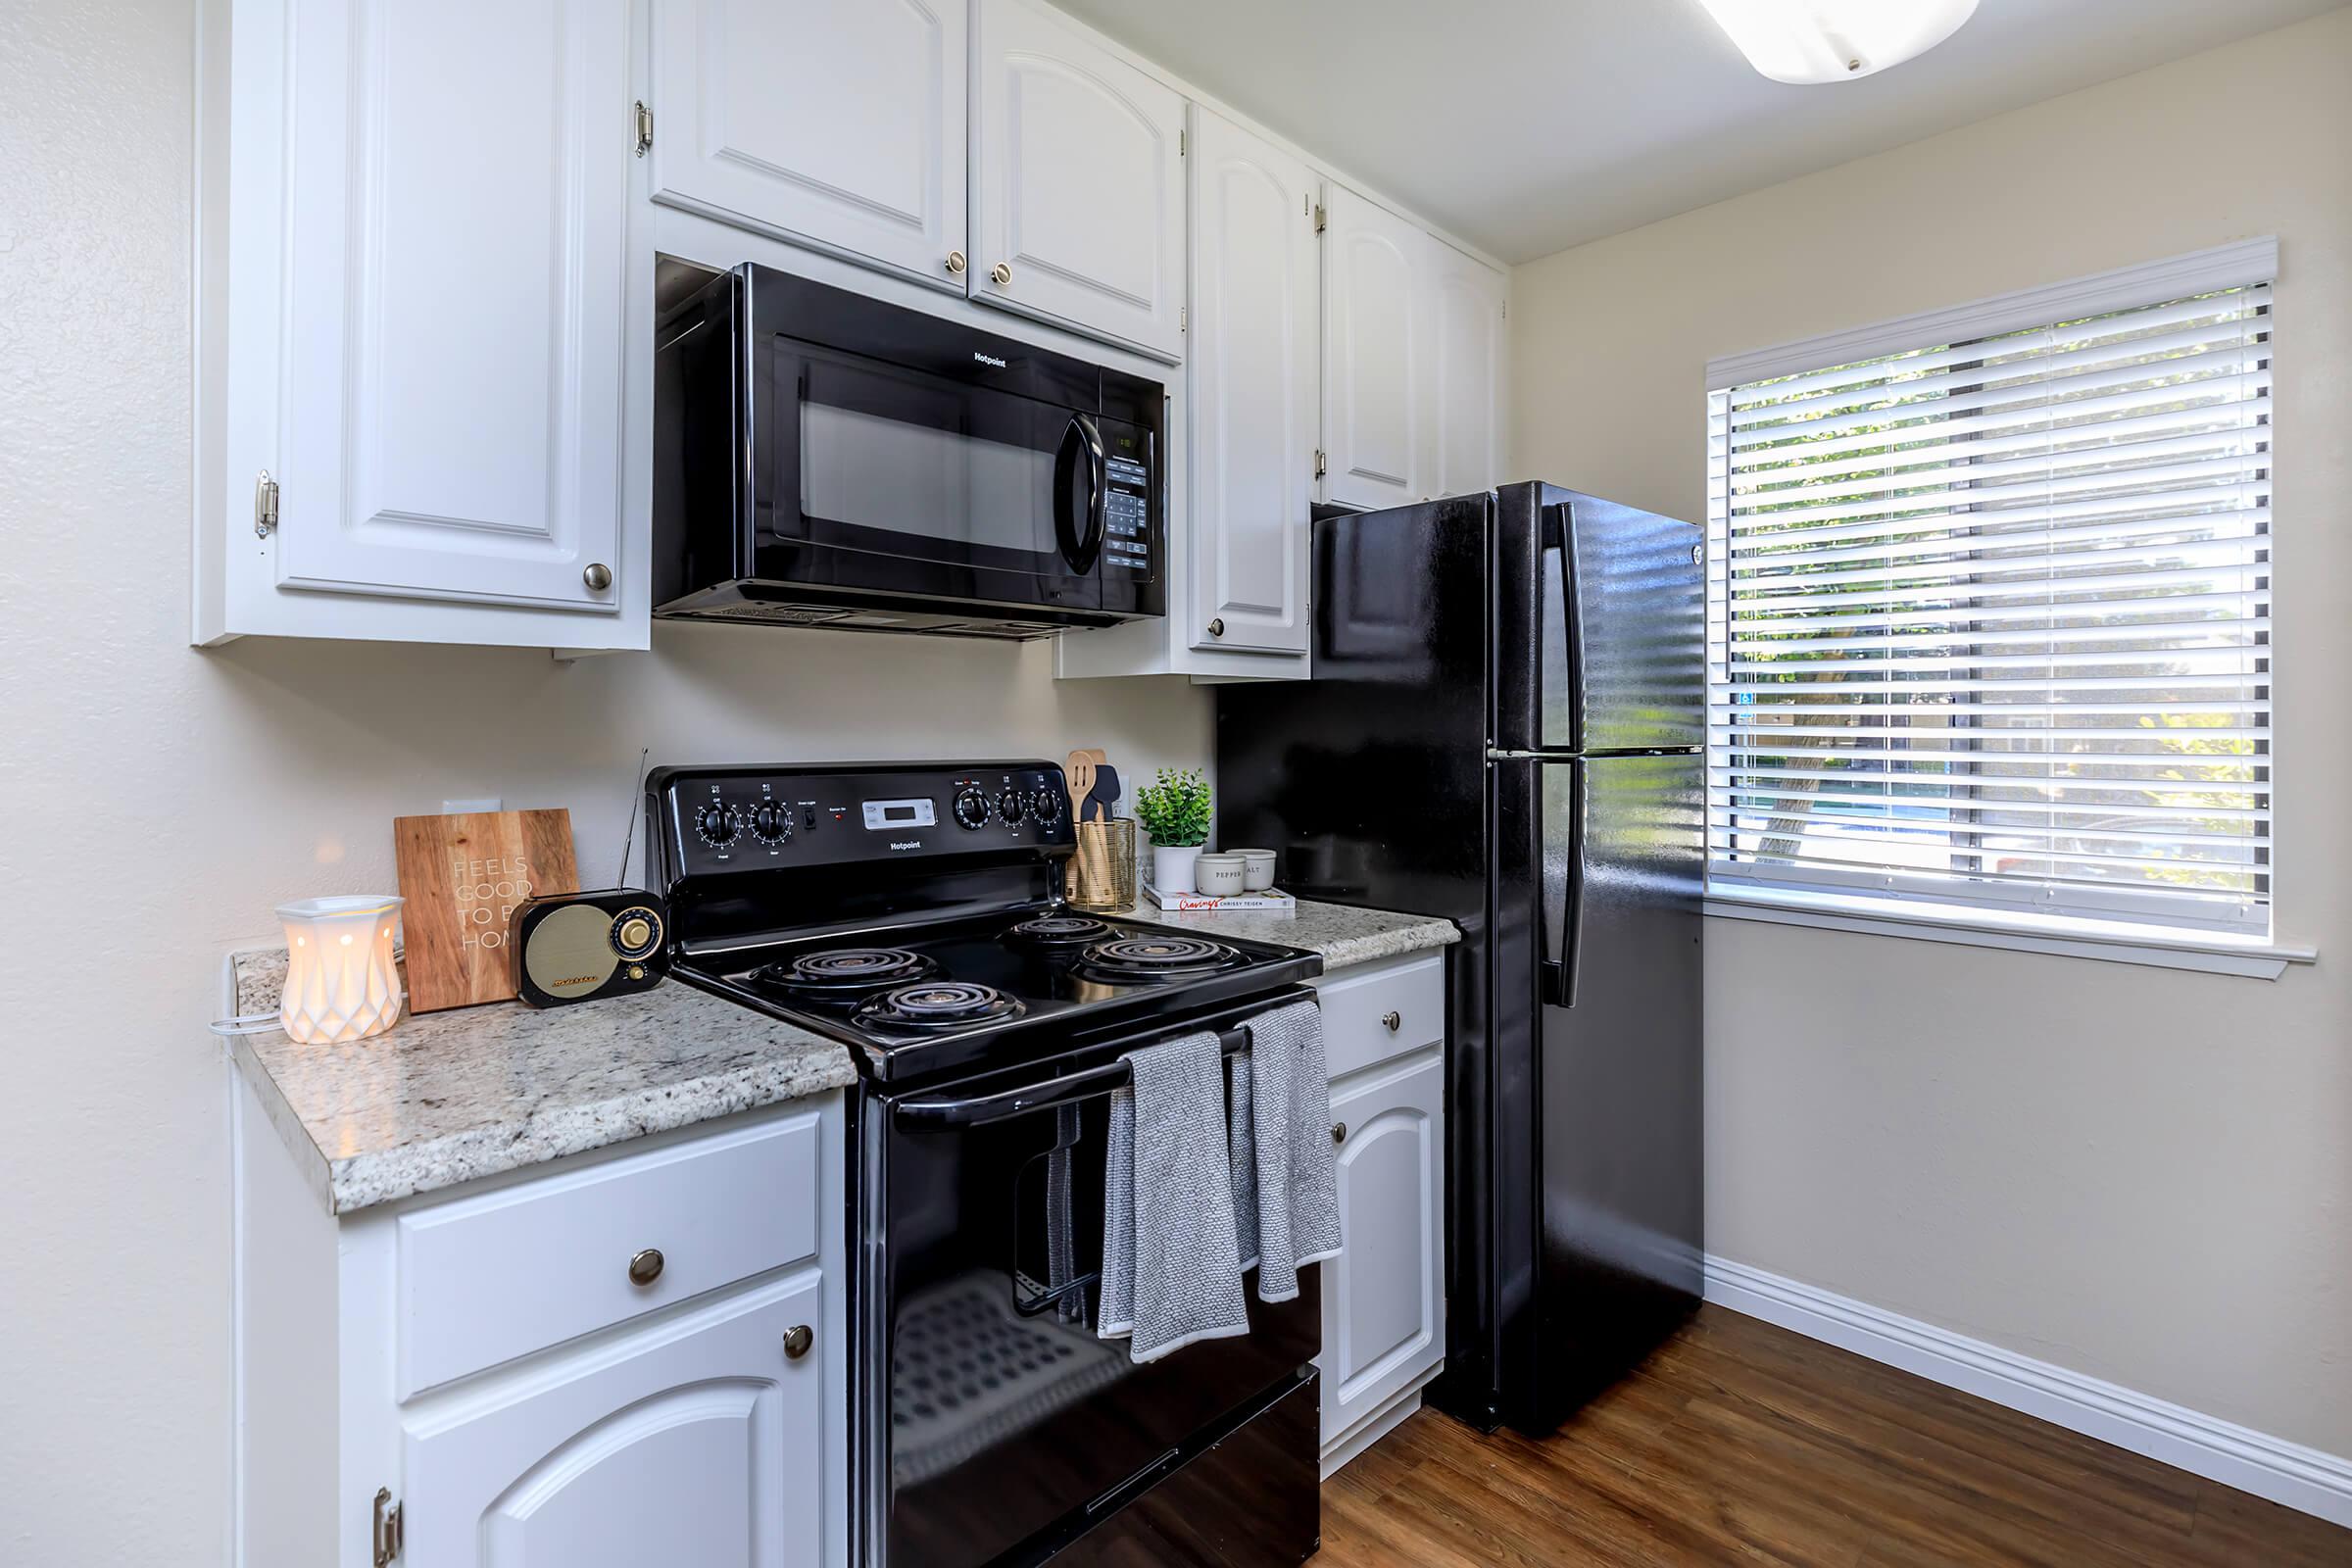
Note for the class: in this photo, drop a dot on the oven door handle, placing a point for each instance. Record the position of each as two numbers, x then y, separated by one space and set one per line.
940 1116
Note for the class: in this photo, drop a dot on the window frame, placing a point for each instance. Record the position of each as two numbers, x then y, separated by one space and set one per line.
2084 916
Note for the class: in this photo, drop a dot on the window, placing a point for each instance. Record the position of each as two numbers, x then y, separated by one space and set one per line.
1988 610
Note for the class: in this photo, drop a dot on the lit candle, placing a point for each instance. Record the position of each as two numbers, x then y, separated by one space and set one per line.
341 983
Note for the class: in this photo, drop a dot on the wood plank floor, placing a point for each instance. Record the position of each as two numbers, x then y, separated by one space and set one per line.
1738 1441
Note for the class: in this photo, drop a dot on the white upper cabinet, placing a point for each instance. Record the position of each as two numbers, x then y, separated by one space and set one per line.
1376 319
1077 182
424 255
839 125
455 249
1253 389
1465 422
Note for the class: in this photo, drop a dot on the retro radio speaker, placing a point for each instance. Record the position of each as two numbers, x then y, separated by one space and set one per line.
579 946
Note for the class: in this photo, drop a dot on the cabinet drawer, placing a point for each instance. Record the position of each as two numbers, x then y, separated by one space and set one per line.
486 1279
1358 1003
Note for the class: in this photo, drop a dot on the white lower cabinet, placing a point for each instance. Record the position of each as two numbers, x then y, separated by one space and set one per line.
635 1355
1384 1296
698 1443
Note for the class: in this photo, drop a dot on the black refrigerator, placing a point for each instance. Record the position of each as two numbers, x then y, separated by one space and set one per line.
1506 726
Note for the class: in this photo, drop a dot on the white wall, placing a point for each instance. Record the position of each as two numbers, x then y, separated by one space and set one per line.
157 801
2140 1174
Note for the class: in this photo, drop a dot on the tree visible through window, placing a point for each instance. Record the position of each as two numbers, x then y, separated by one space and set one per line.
1989 620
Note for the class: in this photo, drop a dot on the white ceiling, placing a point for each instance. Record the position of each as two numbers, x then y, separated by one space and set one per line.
1529 126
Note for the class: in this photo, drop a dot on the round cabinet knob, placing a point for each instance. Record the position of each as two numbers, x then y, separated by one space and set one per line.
1698 555
646 1266
798 1341
1392 1021
971 807
1002 273
598 577
1339 1132
772 823
955 263
1217 627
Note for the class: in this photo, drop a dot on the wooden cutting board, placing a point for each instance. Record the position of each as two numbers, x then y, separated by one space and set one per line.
463 875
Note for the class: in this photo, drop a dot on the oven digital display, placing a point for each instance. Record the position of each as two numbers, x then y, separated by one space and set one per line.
881 815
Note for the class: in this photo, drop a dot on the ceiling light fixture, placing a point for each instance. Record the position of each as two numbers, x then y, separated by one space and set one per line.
1807 41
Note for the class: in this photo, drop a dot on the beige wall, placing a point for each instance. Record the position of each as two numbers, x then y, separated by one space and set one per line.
2140 1174
157 801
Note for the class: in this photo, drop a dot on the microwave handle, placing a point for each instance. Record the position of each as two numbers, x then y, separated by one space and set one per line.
1081 538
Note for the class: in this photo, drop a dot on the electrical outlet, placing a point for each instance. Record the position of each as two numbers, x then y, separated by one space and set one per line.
454 807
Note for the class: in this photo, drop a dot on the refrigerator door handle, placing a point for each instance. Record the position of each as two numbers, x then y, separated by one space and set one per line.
1557 560
1560 974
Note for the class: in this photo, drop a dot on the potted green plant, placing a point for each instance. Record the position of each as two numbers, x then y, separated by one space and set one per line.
1174 809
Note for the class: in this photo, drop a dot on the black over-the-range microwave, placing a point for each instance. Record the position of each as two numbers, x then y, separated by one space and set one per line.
825 459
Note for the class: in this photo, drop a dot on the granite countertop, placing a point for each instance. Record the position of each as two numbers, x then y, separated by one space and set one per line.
448 1097
1340 932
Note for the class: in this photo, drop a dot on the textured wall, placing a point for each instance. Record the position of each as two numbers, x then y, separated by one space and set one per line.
2137 1173
157 801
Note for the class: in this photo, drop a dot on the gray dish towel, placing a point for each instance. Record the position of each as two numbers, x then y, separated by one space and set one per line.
1285 1196
1171 1268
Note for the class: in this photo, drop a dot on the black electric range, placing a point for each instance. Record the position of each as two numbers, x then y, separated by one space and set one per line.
911 911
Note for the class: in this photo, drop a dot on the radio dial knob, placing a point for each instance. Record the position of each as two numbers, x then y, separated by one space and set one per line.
971 807
718 824
772 823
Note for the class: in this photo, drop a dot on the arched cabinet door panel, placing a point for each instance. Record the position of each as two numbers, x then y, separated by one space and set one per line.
710 1415
1384 1296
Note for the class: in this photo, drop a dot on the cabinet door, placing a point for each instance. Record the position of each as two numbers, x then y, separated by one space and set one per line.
1464 425
1384 1296
1253 386
697 1442
1376 305
454 242
837 125
1077 184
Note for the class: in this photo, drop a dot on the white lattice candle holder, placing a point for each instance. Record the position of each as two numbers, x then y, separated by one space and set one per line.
341 982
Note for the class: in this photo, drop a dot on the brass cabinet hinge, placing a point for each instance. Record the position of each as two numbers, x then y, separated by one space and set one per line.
645 128
1319 463
264 504
390 1527
1322 218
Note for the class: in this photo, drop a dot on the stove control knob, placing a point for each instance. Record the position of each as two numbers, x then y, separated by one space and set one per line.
771 822
718 824
971 806
1045 804
1012 807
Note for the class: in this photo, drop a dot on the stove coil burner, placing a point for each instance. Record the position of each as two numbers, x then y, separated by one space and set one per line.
1150 958
936 1004
847 971
1061 931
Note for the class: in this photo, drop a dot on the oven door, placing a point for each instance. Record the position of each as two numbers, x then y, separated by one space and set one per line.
895 478
993 1414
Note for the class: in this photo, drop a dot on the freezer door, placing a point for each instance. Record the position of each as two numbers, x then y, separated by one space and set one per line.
1618 1069
1601 625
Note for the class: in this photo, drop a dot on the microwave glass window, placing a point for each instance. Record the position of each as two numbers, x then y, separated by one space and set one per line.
919 471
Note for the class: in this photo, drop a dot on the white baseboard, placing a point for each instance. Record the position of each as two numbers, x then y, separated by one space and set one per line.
2301 1478
1379 1424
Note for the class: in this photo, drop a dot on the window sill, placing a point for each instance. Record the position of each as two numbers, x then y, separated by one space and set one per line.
2150 946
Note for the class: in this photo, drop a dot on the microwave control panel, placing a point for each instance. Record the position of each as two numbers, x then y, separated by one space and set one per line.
1127 537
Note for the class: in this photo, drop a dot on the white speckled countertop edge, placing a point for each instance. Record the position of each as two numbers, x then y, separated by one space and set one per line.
452 1097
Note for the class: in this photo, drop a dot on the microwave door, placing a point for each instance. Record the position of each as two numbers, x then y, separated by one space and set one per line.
892 478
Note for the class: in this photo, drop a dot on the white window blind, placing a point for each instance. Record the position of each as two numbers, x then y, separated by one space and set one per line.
1989 619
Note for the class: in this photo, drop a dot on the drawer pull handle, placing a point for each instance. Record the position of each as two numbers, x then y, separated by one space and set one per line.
1339 1132
798 1341
1393 1020
646 1266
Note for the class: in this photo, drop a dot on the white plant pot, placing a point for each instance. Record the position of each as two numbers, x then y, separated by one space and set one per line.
1172 867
